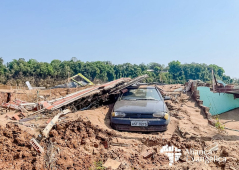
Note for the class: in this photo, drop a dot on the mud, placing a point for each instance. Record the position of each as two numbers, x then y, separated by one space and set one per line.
15 150
83 139
79 144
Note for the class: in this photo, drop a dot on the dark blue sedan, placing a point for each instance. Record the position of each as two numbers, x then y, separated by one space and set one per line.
140 108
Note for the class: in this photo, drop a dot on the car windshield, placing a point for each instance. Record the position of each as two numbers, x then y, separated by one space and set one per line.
141 94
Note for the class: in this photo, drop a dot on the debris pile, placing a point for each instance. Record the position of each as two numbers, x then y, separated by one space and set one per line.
84 139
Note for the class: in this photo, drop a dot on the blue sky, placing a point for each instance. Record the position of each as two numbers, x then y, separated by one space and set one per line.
135 31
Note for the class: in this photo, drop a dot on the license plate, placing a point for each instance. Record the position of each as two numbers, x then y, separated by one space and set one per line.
139 123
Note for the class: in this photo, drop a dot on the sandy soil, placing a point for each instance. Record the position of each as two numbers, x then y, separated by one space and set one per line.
100 118
47 94
230 119
81 140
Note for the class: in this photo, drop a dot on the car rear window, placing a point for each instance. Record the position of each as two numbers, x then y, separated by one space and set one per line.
141 94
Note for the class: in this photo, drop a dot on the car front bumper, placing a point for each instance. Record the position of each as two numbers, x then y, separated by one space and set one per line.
124 124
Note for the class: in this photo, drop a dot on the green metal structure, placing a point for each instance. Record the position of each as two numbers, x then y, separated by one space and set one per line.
77 78
217 102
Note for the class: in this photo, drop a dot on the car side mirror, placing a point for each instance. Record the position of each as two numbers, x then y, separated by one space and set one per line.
167 98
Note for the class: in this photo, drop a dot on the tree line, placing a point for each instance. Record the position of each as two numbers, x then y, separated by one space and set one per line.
17 71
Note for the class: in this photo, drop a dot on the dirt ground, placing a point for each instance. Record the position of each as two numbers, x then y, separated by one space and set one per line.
85 140
35 95
230 119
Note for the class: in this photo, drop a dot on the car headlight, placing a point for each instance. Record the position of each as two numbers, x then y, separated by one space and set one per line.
118 114
161 115
166 116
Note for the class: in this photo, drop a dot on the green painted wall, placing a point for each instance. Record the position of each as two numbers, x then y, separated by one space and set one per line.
218 103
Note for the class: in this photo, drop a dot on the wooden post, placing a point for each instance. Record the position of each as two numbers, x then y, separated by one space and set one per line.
213 83
37 101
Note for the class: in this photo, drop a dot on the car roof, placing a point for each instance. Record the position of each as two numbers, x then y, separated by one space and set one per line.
142 87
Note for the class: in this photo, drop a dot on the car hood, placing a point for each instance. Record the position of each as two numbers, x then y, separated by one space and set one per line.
140 106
